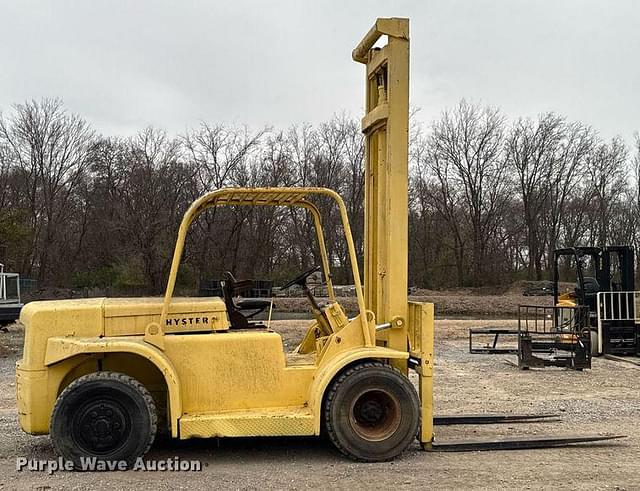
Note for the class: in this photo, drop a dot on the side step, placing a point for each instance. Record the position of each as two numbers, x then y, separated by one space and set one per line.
487 419
520 443
283 421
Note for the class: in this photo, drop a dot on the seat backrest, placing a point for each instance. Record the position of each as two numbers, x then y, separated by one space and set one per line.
228 287
231 287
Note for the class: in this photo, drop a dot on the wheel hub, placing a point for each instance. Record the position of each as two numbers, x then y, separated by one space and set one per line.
371 412
375 415
101 426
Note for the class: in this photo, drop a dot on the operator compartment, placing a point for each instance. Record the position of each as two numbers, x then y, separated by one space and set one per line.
130 316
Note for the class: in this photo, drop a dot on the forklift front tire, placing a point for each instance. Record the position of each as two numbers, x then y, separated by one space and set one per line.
103 416
371 412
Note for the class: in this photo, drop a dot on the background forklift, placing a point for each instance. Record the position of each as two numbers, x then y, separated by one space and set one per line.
558 335
605 286
100 375
597 315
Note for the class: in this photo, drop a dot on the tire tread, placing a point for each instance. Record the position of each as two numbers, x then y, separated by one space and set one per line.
330 396
114 377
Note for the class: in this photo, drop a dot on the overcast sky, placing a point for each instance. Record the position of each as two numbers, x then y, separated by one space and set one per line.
127 64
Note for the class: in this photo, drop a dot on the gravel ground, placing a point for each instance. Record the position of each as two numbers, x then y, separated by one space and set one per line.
603 400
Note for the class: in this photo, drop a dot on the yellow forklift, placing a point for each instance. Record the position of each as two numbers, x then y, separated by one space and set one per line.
103 375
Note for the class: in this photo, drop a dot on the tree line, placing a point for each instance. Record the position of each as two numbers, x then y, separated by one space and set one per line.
489 198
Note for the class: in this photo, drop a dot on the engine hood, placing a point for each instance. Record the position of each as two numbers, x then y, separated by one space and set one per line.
130 316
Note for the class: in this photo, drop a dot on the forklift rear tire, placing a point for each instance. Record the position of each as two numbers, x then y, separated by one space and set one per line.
106 416
371 412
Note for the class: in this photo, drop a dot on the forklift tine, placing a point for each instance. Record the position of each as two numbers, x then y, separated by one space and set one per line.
518 443
633 360
487 419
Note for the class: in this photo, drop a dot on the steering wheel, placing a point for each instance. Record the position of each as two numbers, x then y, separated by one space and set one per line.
301 278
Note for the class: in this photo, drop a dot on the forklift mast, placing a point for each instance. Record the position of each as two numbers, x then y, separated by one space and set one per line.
626 267
606 261
386 127
576 253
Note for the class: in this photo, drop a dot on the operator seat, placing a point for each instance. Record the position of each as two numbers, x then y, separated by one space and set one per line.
591 289
253 306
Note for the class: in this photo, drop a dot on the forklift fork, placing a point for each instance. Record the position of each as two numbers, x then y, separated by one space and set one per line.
512 443
518 443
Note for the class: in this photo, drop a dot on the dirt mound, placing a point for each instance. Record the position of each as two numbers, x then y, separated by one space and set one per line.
450 303
518 287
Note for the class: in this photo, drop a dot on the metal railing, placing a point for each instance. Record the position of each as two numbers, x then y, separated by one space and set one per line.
553 336
551 320
617 307
9 287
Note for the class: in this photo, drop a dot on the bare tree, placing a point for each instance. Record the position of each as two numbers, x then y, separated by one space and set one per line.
466 158
636 170
532 150
143 182
50 149
486 203
607 176
220 156
575 149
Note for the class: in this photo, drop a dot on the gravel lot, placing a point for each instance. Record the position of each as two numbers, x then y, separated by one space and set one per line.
603 400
